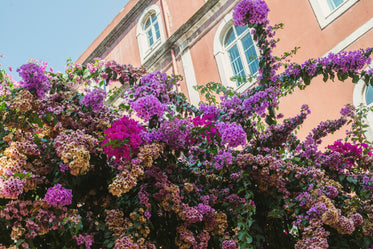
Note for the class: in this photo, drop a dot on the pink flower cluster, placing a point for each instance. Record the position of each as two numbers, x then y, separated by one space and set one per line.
34 79
122 138
12 187
58 196
229 244
250 11
87 240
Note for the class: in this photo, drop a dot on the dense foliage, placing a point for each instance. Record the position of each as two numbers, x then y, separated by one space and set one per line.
156 172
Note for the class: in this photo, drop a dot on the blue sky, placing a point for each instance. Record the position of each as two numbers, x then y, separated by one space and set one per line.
51 30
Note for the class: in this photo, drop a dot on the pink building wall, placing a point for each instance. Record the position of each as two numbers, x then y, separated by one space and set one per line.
301 28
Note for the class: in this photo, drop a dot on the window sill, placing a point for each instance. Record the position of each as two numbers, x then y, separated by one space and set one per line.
150 51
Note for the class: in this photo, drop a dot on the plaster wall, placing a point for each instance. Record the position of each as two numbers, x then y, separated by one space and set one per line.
125 50
179 11
107 30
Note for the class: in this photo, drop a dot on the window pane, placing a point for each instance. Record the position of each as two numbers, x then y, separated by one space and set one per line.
157 33
250 53
154 18
230 37
240 29
147 24
236 64
150 37
369 95
333 4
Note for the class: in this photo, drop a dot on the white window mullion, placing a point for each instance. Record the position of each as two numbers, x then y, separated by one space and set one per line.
243 58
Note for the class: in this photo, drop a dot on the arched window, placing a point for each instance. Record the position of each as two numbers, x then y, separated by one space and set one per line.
149 31
363 95
242 52
369 95
151 28
236 54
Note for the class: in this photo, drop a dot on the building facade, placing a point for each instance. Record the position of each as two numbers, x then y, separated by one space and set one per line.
197 39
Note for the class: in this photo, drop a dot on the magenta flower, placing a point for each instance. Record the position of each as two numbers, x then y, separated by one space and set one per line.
122 138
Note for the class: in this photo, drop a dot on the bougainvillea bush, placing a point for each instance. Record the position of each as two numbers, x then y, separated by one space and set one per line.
155 172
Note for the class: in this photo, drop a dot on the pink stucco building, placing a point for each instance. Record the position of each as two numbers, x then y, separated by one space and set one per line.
197 39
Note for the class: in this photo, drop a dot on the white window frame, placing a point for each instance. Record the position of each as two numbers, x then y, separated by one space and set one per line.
324 15
223 60
145 50
359 97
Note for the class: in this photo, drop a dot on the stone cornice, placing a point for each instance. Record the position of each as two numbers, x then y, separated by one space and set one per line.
118 30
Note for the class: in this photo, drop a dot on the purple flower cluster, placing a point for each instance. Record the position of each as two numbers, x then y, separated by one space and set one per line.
231 134
191 215
176 133
325 128
223 159
34 79
317 209
279 134
204 209
331 192
95 99
310 67
344 63
357 219
260 101
212 111
351 61
148 106
250 12
155 84
232 105
58 196
293 69
303 198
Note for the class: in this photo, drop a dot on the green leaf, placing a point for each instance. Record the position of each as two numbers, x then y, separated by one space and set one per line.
86 73
22 176
275 213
